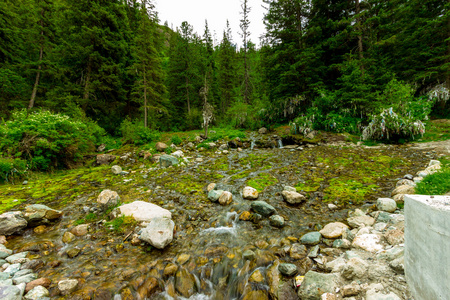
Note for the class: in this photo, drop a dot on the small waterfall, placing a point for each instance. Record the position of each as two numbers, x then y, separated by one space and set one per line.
230 217
280 144
252 145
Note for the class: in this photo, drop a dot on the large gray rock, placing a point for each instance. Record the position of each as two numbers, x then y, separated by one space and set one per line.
38 213
105 159
311 238
276 221
386 204
67 286
315 284
368 242
250 193
12 223
4 253
288 269
214 195
18 256
10 292
333 230
144 211
38 292
167 161
108 198
158 233
263 208
293 197
355 268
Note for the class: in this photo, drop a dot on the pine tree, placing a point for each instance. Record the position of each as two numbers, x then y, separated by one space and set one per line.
245 34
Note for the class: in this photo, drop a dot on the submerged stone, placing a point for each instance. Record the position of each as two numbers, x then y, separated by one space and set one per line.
311 238
263 208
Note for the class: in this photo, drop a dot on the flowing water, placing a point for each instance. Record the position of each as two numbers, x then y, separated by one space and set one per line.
211 238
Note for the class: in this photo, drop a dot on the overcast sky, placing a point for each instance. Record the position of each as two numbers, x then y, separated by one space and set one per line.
195 12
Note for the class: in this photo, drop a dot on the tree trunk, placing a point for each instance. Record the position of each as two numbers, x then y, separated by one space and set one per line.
87 82
360 38
38 74
145 101
187 96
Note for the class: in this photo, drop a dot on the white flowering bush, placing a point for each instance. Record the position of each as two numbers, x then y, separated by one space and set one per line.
47 140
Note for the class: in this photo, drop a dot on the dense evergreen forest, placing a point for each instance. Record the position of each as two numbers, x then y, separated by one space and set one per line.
332 62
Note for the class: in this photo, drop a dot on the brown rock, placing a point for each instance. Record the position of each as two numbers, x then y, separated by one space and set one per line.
211 186
148 288
105 159
213 251
45 282
352 289
185 283
183 258
225 198
403 189
298 251
245 216
170 269
68 237
3 240
80 230
250 193
40 229
256 276
160 146
394 237
293 197
333 230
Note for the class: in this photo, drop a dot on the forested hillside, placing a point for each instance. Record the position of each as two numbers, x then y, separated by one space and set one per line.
336 62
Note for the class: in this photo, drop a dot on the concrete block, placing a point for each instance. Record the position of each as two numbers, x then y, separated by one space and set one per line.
427 242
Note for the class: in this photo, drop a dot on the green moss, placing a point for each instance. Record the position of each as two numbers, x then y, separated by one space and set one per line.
435 184
261 181
121 224
347 191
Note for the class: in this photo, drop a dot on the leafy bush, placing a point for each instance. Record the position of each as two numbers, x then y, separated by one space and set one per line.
11 169
435 184
176 140
390 126
47 140
136 133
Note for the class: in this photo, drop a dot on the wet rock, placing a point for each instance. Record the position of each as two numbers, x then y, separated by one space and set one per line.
333 230
256 276
108 198
394 237
386 204
44 282
148 288
12 223
245 216
22 272
250 193
67 286
359 221
225 198
170 269
116 169
144 211
255 294
39 213
68 237
34 264
288 269
248 255
38 292
314 252
214 195
368 242
71 253
276 221
80 230
403 189
185 283
311 238
40 229
105 159
405 182
24 279
183 258
161 147
298 251
12 269
331 206
167 161
355 268
293 197
10 292
158 233
315 284
263 208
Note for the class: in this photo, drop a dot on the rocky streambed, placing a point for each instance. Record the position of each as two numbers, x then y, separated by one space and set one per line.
291 223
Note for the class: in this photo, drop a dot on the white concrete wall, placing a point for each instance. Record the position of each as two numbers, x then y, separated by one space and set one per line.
427 246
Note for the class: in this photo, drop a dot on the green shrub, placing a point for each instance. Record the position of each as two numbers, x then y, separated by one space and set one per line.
47 140
136 133
176 140
12 169
391 127
435 184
